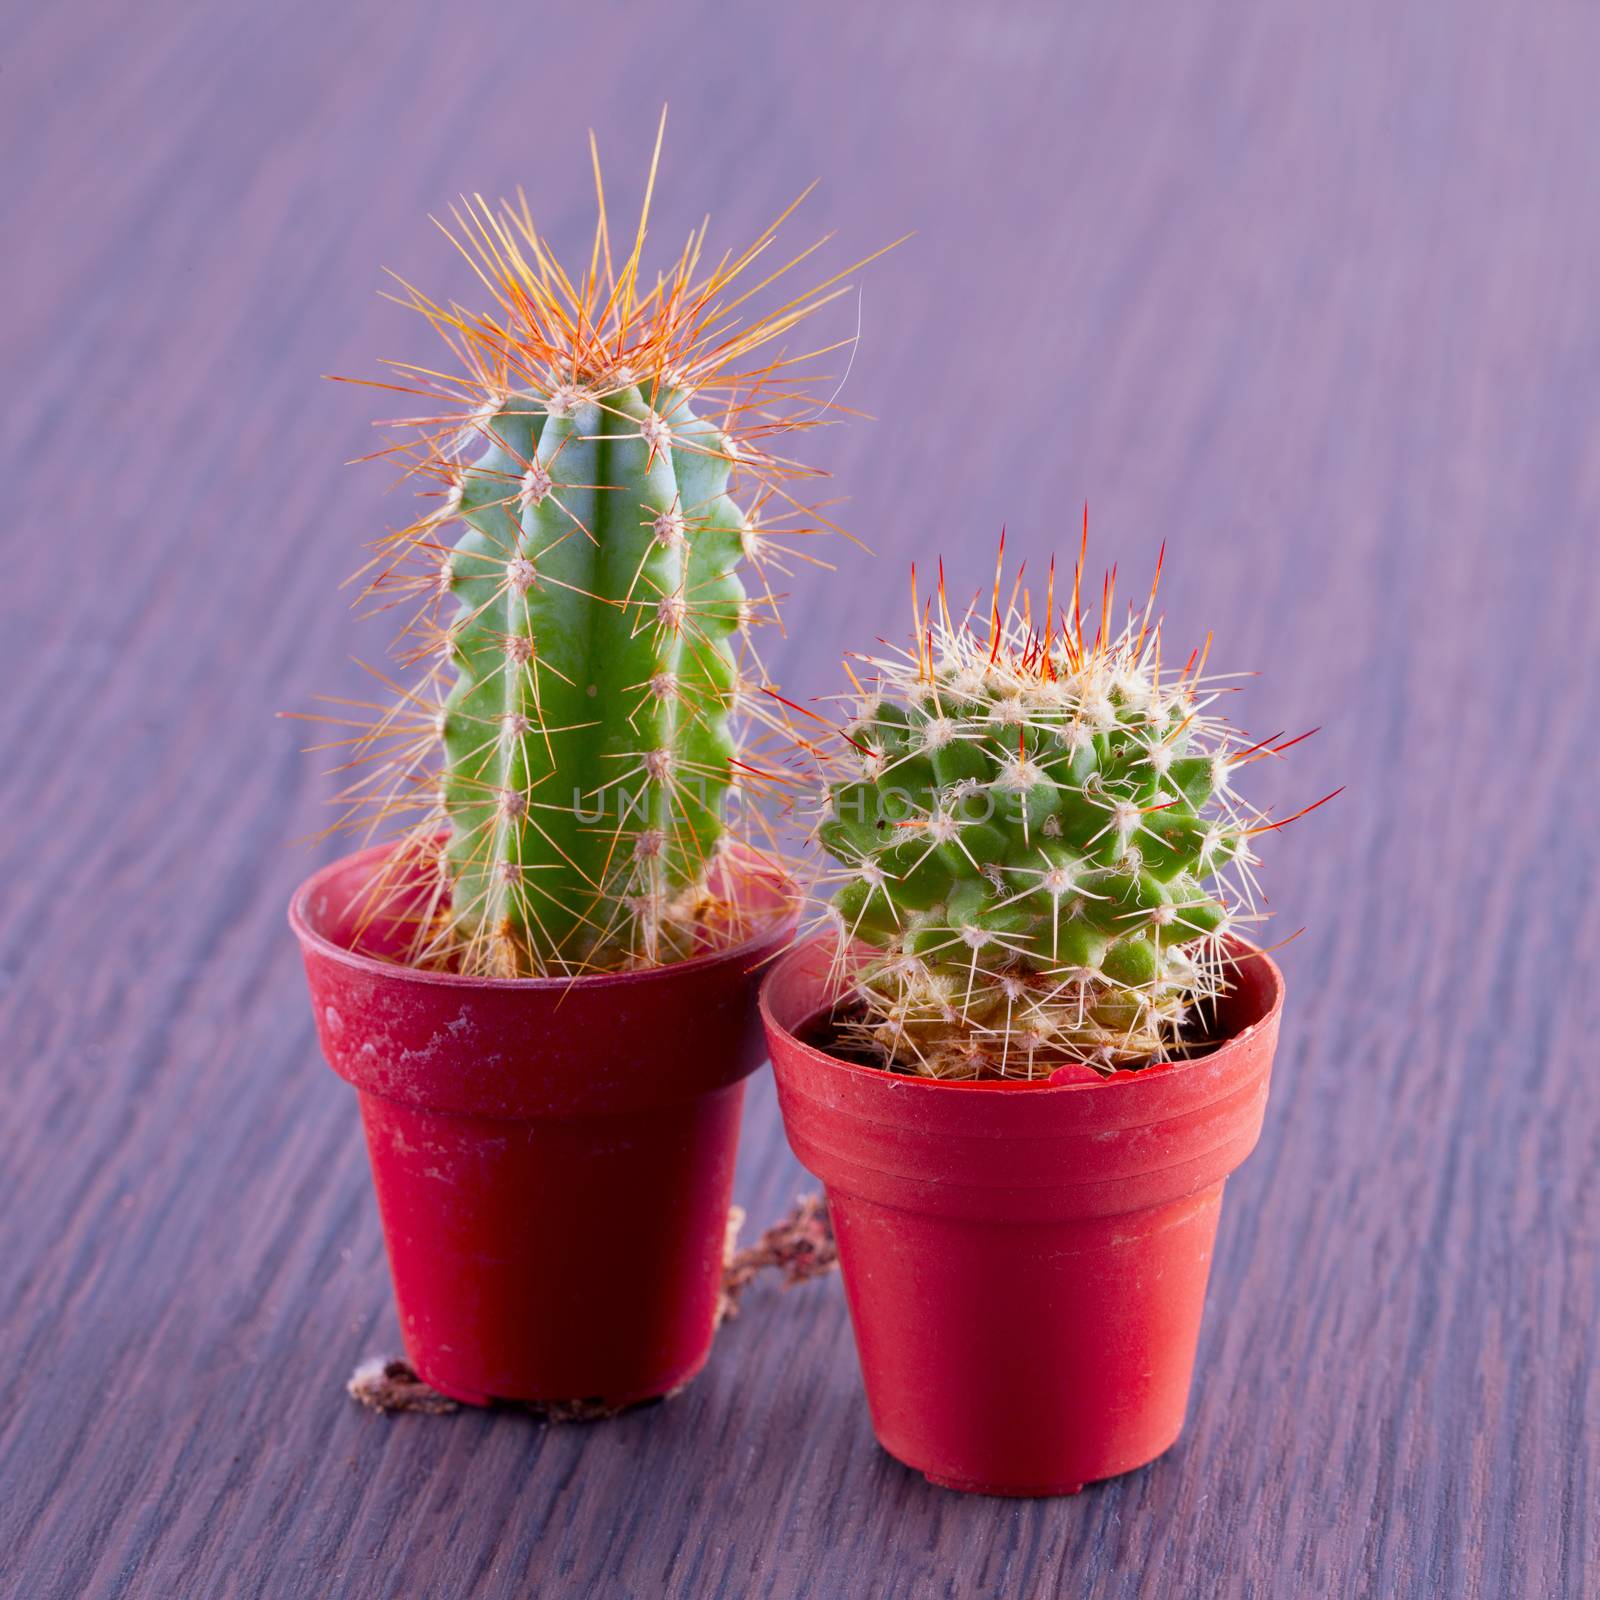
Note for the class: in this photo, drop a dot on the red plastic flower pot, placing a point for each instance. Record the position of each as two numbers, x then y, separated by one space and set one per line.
1025 1264
553 1157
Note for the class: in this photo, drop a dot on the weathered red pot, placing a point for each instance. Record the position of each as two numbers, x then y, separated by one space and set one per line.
553 1158
1025 1264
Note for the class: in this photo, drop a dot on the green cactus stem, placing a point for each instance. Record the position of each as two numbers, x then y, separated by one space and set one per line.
1037 836
567 769
587 741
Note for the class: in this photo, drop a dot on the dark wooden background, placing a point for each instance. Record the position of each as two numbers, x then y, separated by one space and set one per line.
1308 291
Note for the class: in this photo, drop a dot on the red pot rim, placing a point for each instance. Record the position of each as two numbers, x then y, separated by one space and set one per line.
521 1049
757 946
1054 1152
1239 950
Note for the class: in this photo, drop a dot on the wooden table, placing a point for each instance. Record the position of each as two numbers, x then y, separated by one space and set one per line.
1307 291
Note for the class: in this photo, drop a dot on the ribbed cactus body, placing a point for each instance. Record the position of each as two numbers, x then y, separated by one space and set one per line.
1031 842
561 763
587 739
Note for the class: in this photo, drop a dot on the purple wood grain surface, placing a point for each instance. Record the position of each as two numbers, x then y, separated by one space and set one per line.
1306 291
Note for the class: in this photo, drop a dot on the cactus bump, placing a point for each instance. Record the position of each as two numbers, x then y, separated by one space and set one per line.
1036 836
601 516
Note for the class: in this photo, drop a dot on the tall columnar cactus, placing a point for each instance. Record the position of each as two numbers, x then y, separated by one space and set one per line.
566 766
588 740
1036 834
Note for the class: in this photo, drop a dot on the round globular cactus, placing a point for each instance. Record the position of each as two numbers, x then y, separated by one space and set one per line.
566 766
1036 836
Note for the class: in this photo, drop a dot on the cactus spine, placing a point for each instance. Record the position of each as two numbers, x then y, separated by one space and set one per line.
565 767
1037 835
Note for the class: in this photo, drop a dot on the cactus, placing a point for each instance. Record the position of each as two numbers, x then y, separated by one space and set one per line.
587 741
1036 836
566 766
